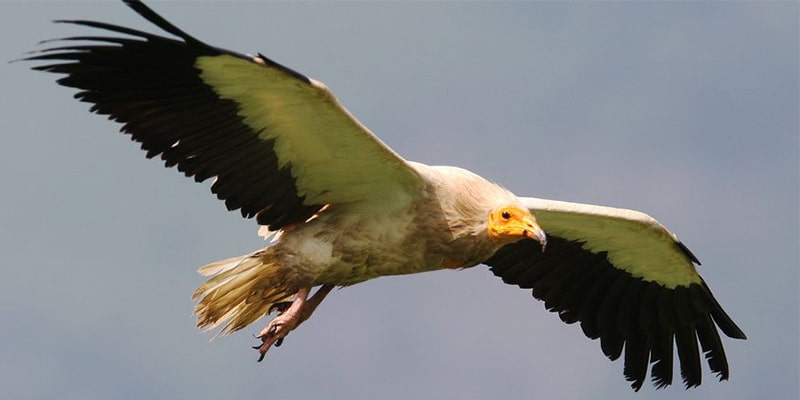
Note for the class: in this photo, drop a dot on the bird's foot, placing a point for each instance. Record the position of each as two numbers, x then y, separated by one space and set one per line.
289 316
275 331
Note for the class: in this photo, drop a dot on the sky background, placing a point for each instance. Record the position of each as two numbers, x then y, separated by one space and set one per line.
685 110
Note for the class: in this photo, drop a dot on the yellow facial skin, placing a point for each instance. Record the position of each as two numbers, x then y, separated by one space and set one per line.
509 224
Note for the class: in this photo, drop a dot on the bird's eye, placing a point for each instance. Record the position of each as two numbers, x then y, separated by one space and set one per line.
506 215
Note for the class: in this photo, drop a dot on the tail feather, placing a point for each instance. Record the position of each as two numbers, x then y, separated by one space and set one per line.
220 266
240 291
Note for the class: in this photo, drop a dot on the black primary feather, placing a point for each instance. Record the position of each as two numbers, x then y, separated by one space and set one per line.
150 84
644 320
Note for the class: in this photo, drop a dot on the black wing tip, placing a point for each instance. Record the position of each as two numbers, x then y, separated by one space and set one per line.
150 15
686 318
660 383
147 13
159 21
635 376
727 325
636 384
67 53
721 318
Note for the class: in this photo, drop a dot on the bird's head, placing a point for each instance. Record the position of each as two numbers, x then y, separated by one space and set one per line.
465 200
511 223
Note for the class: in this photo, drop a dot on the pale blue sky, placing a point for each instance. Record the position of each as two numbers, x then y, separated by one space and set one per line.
685 110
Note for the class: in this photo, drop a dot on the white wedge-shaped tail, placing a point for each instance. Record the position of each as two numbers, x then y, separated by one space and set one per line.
240 291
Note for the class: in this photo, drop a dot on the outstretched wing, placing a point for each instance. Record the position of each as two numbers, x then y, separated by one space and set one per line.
629 282
279 144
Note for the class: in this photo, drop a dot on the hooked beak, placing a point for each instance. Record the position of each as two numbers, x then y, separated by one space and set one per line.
535 232
510 224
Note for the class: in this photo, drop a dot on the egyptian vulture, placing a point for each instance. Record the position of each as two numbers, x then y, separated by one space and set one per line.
343 208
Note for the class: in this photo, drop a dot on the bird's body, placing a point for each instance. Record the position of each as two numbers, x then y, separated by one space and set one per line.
344 208
346 245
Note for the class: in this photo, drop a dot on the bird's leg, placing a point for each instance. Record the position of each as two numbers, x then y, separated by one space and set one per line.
285 322
308 309
313 302
275 332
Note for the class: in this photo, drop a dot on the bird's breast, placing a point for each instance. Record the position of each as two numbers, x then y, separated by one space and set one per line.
347 248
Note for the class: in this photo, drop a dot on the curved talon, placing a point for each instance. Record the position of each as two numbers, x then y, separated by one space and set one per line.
267 341
262 348
290 314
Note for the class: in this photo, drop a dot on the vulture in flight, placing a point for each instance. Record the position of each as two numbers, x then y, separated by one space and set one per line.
342 207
